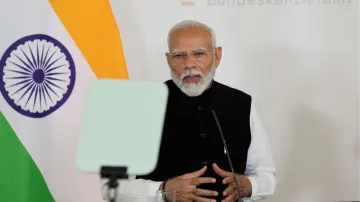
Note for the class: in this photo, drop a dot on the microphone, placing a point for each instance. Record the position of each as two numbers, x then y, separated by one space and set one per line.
227 154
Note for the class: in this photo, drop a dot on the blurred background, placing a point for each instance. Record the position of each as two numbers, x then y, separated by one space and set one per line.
299 59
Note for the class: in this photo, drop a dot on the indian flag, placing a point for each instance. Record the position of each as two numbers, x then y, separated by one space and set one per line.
50 52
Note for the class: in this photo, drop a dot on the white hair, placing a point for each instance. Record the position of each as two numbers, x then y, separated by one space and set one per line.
194 89
192 24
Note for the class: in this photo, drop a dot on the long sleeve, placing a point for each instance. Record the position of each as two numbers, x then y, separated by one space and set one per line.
260 168
128 190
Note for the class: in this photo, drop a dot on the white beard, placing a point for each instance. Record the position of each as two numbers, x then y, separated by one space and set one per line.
194 89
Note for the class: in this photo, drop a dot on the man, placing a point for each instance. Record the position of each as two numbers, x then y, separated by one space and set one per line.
192 158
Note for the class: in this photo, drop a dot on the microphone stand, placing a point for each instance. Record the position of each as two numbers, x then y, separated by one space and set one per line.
228 155
113 174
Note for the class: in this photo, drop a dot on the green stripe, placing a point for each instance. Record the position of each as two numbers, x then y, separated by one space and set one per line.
20 179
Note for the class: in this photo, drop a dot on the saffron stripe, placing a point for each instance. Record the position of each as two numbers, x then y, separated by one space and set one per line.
93 27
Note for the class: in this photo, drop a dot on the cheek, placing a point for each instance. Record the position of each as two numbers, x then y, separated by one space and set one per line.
204 66
177 70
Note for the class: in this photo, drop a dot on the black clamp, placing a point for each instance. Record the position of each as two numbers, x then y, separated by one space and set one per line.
113 174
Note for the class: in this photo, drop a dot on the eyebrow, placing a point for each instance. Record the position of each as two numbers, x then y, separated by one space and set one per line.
200 49
177 51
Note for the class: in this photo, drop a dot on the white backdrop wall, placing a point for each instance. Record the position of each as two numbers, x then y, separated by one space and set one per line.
298 59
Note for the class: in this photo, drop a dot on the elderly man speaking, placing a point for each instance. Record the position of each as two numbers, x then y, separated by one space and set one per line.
192 159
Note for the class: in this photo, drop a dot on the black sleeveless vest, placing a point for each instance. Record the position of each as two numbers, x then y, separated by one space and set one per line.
191 138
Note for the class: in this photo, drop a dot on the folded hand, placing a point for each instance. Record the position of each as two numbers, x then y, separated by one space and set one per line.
231 191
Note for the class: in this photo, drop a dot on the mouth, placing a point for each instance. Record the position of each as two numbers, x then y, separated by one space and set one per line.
192 78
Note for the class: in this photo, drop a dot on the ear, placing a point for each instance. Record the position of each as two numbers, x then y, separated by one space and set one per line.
218 54
168 58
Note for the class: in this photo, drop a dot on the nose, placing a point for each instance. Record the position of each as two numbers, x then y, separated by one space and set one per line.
189 63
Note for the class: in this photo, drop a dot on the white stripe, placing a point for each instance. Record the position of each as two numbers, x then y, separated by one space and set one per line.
52 140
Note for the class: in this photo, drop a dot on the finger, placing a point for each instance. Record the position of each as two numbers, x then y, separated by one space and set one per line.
202 180
195 174
232 197
229 190
204 192
201 199
183 197
228 180
220 171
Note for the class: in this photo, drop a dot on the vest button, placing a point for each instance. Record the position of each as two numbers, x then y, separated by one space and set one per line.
202 135
204 163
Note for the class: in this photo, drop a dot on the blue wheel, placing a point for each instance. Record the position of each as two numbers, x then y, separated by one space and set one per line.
37 75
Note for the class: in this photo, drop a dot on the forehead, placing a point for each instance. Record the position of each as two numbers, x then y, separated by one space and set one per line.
190 38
